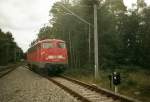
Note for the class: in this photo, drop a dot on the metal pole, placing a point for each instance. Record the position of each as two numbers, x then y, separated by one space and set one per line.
116 89
71 58
89 45
75 58
95 41
79 63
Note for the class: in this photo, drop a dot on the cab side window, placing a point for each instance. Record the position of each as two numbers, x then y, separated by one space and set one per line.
61 45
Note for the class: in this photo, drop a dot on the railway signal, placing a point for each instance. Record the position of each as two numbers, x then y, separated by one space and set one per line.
116 80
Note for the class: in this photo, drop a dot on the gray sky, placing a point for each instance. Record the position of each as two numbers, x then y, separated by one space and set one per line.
24 18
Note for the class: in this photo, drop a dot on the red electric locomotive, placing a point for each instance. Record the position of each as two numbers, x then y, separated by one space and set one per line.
49 55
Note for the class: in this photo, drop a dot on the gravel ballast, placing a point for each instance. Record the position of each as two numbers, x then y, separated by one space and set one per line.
22 85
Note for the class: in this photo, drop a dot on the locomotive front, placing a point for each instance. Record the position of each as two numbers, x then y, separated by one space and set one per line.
54 56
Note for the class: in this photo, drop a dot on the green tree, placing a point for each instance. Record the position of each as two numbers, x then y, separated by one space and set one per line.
9 50
123 34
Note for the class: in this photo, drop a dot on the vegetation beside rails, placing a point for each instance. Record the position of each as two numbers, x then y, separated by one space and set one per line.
134 80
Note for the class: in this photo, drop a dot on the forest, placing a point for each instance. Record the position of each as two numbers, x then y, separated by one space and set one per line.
123 34
10 52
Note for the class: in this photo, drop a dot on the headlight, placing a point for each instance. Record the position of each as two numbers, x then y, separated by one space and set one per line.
60 56
51 57
55 57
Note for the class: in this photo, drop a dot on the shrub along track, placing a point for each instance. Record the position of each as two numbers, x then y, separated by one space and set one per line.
86 92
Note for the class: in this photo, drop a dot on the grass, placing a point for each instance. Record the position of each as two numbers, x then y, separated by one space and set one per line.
134 80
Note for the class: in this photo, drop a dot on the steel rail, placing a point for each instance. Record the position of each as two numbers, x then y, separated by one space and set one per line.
99 90
2 75
8 70
88 97
83 99
93 88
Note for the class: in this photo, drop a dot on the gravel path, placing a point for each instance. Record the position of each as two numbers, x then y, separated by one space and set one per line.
22 85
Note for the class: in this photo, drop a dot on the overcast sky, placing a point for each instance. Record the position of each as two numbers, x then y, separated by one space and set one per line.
24 18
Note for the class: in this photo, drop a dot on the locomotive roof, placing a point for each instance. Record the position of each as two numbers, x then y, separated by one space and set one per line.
47 40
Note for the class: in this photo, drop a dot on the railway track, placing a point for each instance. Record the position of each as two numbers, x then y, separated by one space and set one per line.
88 93
7 70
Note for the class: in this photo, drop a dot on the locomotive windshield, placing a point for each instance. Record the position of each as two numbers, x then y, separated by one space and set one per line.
47 45
61 45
